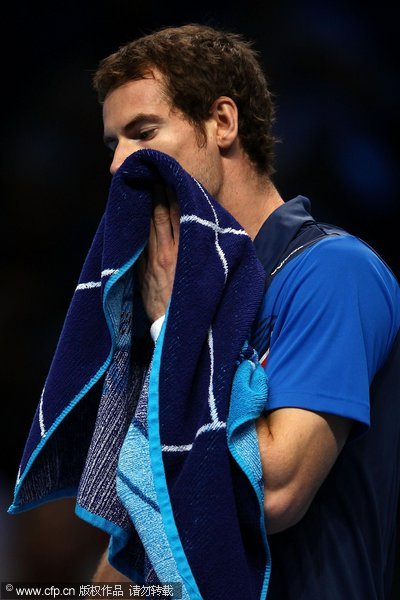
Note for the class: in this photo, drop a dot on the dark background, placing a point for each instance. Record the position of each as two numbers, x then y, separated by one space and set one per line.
333 71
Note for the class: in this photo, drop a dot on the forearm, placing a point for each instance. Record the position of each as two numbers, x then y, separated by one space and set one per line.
280 513
297 449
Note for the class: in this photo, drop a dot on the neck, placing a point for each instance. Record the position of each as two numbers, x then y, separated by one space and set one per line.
248 196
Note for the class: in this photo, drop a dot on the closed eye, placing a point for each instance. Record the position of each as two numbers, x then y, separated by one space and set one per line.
142 127
147 134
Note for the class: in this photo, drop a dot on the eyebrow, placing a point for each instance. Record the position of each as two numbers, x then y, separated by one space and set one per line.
139 119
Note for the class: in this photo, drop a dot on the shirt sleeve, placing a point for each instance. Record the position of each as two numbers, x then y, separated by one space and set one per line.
336 315
155 328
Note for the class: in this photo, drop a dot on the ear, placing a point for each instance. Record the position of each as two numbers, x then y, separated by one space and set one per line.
224 113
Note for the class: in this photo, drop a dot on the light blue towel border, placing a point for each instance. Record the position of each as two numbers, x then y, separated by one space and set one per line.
64 493
160 482
15 507
242 414
118 539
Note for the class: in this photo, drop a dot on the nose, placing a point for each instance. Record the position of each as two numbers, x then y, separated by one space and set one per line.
120 154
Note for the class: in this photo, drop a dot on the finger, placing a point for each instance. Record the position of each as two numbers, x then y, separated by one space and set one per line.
161 217
162 226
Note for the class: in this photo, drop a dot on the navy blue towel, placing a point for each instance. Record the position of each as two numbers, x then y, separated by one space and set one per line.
187 410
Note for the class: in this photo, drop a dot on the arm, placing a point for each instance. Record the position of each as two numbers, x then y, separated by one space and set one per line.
297 448
329 339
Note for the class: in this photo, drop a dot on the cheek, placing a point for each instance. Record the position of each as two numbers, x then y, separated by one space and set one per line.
203 163
210 173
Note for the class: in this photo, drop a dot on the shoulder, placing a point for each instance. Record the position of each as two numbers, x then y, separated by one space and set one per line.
335 264
335 302
330 315
348 251
344 251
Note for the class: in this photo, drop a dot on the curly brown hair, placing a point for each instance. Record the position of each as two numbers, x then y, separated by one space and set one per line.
199 64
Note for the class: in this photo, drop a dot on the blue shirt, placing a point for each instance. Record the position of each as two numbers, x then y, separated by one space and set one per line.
327 327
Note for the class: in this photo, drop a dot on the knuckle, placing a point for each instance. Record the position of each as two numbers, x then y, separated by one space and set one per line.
161 216
165 261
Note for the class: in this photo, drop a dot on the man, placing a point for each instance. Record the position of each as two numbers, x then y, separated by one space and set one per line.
326 434
330 478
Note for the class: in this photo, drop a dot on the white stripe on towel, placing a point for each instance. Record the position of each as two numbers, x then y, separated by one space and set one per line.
88 285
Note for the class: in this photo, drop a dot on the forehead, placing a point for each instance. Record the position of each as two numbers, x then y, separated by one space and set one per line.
137 96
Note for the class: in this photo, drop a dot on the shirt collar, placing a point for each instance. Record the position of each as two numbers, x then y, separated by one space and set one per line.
279 229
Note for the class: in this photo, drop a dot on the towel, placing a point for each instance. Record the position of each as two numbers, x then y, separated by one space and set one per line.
159 444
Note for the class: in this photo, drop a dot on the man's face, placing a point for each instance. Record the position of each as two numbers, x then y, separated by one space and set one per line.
138 115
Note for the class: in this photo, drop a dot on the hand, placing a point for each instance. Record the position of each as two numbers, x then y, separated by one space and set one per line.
156 266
